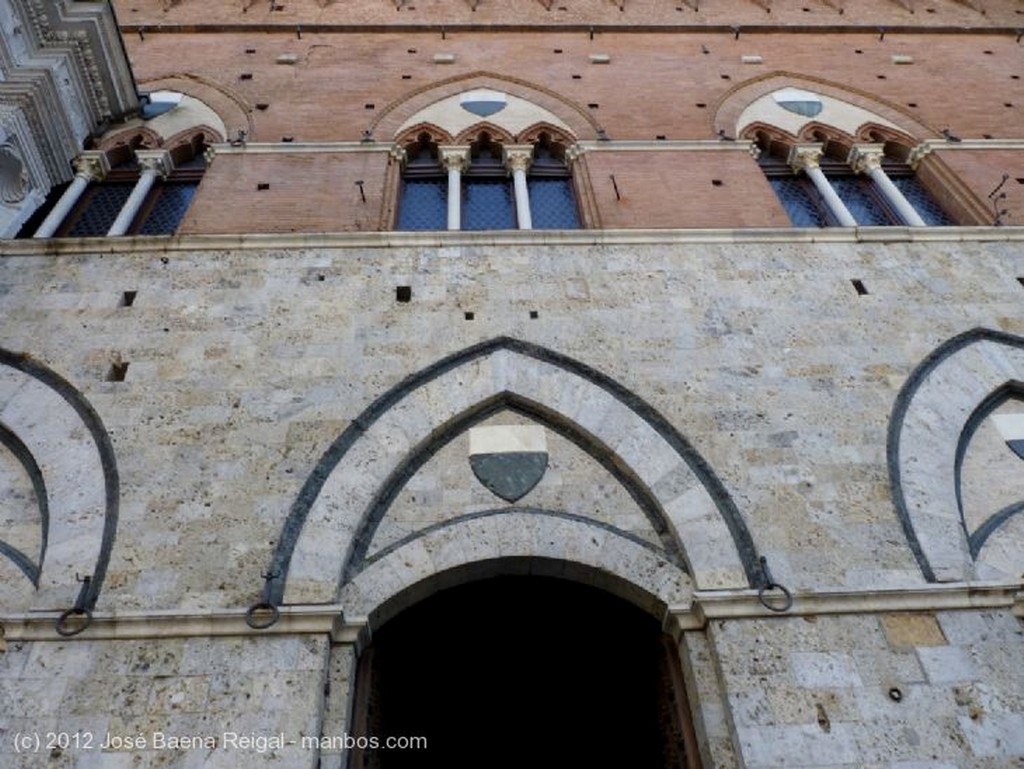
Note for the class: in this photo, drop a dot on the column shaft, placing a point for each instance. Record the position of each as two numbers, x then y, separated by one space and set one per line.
522 194
454 198
896 198
60 211
134 203
832 200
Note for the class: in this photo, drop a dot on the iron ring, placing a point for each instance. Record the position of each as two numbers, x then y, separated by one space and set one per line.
74 610
250 615
787 596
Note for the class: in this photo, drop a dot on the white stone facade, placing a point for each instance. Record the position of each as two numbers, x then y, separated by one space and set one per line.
707 399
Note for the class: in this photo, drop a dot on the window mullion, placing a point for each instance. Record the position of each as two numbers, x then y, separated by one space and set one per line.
867 159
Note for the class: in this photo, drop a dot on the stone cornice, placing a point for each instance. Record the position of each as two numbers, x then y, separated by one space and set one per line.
942 145
450 239
302 148
434 27
678 145
706 606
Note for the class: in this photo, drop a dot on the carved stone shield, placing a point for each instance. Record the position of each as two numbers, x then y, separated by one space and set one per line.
1011 427
508 459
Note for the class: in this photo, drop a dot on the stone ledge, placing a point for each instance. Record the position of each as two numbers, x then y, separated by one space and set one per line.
706 606
710 605
444 239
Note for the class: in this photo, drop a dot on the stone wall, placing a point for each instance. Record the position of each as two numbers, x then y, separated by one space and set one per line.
708 400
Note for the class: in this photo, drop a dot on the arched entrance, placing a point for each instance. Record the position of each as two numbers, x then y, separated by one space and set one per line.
524 671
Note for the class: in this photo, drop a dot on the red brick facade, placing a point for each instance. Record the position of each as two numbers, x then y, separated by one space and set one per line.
674 74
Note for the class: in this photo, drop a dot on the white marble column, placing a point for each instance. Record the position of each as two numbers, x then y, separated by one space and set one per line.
91 166
456 160
867 159
153 164
518 158
805 157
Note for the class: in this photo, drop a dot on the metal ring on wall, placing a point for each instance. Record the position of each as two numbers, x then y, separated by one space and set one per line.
787 598
262 606
61 625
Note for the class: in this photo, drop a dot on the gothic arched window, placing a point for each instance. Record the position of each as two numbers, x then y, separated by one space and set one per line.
500 186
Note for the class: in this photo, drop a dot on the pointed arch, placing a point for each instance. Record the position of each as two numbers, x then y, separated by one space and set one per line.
357 557
934 416
389 120
119 145
727 113
227 109
31 569
498 134
80 499
435 133
532 134
347 487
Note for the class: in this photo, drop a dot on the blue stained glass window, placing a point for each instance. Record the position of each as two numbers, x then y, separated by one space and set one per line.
918 197
104 204
796 198
487 204
424 205
169 209
552 205
856 194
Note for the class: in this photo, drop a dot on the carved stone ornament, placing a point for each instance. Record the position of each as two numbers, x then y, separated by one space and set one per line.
13 176
864 158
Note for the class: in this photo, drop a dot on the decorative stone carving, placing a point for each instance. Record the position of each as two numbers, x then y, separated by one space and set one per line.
93 166
804 156
455 157
918 154
155 160
864 158
13 176
518 157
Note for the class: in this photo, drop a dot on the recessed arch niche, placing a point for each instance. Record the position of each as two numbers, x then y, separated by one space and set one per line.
323 552
952 468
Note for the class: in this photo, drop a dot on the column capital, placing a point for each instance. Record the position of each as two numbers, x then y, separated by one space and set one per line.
517 157
804 156
155 160
864 158
91 165
454 157
398 154
574 153
917 154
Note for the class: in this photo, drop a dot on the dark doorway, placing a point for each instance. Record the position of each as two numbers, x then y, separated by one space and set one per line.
524 672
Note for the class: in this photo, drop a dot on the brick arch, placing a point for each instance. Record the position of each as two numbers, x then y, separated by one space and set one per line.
778 140
726 114
350 484
934 416
388 121
120 145
411 135
498 134
831 137
233 109
533 134
191 142
898 144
